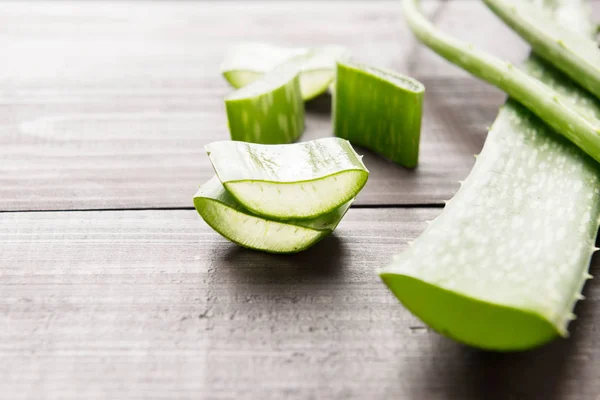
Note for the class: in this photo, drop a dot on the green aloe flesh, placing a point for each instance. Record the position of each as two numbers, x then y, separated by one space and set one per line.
301 180
227 217
379 110
247 62
576 56
504 264
269 110
548 104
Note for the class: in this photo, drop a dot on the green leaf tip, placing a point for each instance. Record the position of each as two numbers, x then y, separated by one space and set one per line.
575 55
564 117
380 110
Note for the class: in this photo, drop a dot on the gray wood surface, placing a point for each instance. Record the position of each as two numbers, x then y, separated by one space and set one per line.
106 105
155 305
109 105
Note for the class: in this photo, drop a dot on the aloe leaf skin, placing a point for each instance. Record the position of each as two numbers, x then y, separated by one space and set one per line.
576 56
301 180
269 110
228 218
503 265
543 101
248 62
379 110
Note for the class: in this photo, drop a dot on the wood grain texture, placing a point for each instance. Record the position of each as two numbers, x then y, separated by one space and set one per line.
109 104
154 305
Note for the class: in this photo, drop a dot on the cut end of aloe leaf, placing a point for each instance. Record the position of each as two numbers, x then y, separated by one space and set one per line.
228 218
379 110
270 110
301 180
246 63
467 320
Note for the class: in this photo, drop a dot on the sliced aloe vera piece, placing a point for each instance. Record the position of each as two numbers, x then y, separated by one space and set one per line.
247 62
379 110
226 216
301 180
269 110
503 265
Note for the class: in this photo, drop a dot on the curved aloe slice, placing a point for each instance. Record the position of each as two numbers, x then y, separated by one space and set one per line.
226 216
379 110
576 56
301 180
545 102
245 63
503 265
269 110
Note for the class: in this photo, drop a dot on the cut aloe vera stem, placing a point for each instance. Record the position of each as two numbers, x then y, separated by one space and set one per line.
269 110
226 216
379 110
576 56
548 104
247 62
301 180
503 265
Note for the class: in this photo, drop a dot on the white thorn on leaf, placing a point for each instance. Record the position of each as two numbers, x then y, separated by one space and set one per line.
579 296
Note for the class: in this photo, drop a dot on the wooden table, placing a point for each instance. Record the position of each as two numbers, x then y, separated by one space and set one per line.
112 287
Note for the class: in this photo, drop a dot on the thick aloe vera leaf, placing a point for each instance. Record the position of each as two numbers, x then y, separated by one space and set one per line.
269 110
545 102
576 56
226 216
247 62
379 110
302 180
503 265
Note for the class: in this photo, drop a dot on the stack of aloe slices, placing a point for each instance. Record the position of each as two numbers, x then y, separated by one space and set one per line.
280 198
504 264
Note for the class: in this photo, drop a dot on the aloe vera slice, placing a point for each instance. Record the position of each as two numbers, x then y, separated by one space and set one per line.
576 56
247 62
301 180
380 110
269 110
503 265
545 102
226 216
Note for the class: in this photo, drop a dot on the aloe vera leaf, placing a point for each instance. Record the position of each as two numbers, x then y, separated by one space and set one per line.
247 62
227 217
301 180
379 110
576 56
548 104
269 110
503 265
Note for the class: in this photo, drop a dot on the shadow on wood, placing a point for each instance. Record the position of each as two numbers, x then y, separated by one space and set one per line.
323 260
319 105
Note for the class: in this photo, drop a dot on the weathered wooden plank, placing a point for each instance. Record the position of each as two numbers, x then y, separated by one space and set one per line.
108 105
153 304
